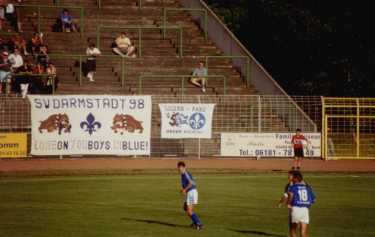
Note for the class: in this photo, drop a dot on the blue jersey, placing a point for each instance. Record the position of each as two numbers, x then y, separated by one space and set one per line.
187 178
303 195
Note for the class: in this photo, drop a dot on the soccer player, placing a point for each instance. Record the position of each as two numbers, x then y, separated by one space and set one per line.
284 198
189 189
297 145
300 199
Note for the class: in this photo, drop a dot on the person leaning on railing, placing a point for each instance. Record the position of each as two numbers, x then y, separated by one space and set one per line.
52 79
92 52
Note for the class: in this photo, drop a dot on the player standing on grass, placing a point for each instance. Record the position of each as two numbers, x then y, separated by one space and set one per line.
189 189
300 199
297 145
284 198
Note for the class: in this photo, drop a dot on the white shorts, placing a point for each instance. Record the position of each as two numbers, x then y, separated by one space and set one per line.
192 197
300 215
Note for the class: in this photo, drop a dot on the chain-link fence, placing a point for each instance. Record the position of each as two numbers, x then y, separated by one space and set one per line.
348 124
240 114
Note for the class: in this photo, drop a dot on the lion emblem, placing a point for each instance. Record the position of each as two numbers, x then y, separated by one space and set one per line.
59 122
124 122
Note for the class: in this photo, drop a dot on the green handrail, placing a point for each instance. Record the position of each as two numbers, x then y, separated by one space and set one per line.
140 28
204 11
81 57
41 75
247 74
39 7
98 3
179 77
6 33
140 4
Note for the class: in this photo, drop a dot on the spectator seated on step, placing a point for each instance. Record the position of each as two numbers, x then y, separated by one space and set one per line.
35 43
43 57
5 74
67 22
23 80
20 43
16 61
123 46
4 45
199 77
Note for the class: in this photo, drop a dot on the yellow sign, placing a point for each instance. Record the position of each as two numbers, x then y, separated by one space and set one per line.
13 145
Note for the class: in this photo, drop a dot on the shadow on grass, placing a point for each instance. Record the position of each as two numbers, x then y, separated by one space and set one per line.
254 232
155 222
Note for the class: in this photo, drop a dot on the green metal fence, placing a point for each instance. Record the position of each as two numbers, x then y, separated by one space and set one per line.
80 59
182 79
40 7
247 74
202 11
6 33
140 29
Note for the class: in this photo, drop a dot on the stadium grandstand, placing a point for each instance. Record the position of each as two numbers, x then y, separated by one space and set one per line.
46 43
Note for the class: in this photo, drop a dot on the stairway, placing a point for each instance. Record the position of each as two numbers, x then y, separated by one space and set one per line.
159 55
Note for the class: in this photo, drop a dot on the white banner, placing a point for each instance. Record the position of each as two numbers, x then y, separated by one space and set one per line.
89 124
267 144
186 120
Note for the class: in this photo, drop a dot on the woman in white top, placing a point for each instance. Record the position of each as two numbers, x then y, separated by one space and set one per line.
92 52
16 60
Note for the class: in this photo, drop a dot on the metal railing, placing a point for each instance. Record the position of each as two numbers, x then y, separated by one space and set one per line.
263 82
98 3
247 59
232 114
123 78
40 7
100 28
6 33
81 57
182 78
202 11
39 75
348 127
72 57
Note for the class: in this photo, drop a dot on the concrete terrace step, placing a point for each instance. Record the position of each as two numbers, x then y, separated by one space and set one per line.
160 55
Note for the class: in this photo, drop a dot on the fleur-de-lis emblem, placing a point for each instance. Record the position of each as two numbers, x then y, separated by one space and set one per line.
90 124
197 121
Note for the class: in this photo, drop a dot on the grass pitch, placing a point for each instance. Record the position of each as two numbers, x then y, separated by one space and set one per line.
150 205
